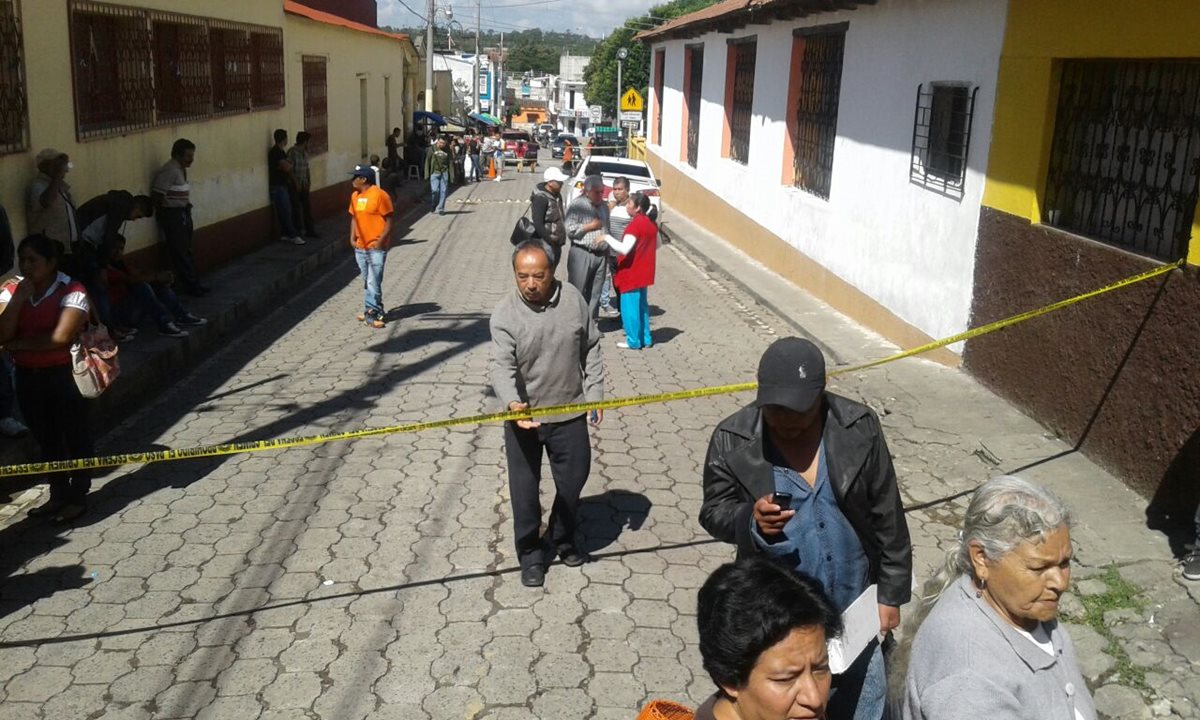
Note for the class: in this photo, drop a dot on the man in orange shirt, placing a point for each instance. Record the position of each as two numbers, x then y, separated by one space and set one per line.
370 233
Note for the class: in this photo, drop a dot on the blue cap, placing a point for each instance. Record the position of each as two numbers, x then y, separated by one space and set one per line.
365 172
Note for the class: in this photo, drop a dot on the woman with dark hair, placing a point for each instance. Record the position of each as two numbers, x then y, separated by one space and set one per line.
636 252
763 630
41 313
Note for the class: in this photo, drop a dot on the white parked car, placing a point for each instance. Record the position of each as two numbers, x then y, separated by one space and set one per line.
641 178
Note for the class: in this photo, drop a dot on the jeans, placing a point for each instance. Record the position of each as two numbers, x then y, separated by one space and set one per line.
57 416
282 200
439 182
88 266
860 693
475 169
370 264
302 216
176 226
570 453
145 300
606 292
635 318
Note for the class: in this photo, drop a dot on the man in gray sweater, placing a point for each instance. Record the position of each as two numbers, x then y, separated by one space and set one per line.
545 352
587 225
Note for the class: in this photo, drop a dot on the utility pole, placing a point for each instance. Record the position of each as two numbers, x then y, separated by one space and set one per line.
501 85
622 53
429 56
475 89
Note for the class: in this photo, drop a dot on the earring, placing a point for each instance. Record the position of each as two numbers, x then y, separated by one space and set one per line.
979 588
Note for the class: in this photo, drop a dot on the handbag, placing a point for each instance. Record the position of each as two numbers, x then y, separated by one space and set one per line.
524 229
94 363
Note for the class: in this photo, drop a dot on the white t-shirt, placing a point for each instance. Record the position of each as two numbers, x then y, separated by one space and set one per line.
1041 637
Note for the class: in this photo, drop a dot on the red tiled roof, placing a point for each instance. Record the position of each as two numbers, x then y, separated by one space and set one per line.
296 8
732 14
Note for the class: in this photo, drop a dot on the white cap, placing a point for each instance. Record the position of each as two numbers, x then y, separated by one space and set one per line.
553 174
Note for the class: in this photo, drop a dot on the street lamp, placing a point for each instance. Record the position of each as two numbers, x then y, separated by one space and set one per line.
622 53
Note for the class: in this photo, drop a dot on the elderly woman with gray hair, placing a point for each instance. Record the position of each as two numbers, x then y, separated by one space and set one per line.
990 645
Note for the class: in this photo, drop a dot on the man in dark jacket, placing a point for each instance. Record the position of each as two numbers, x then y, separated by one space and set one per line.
548 213
805 478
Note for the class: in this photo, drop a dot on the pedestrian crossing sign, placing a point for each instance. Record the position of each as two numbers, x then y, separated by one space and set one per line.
632 101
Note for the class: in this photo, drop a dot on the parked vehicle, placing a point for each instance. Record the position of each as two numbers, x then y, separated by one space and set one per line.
511 139
609 141
557 144
641 178
544 133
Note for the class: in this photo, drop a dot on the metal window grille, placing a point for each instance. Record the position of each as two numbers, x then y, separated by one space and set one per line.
817 111
659 63
266 81
316 110
1125 160
136 68
942 137
114 86
695 86
14 115
230 62
182 68
744 54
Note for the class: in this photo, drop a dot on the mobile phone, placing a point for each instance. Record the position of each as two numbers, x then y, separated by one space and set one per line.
782 499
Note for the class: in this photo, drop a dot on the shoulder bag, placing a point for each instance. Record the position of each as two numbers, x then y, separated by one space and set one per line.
94 361
524 229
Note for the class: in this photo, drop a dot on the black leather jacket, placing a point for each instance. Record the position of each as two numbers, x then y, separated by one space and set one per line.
860 468
548 215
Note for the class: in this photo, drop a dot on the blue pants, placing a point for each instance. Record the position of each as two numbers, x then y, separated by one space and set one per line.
145 300
370 264
860 693
439 182
606 292
635 318
281 198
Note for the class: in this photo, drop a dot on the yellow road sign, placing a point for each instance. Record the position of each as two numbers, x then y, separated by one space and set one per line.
632 101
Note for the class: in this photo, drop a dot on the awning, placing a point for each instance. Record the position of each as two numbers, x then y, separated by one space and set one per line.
452 128
423 115
485 118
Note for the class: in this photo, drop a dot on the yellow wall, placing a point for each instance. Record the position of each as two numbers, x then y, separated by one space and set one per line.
229 176
1039 32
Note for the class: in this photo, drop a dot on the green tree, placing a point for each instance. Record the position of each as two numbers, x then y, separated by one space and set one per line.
601 72
526 55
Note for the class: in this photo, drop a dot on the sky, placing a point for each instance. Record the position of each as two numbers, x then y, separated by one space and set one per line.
595 19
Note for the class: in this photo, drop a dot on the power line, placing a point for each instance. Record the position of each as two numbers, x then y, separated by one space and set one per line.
414 12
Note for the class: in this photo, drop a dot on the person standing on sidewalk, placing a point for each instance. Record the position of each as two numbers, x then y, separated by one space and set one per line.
545 352
587 227
547 213
279 177
634 272
370 232
839 517
171 192
10 426
49 208
439 168
301 183
618 220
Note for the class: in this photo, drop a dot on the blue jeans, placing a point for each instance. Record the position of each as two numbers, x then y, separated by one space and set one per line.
439 182
282 200
145 300
860 693
635 318
475 167
606 292
370 264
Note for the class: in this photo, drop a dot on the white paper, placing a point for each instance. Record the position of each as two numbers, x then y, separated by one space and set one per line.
860 625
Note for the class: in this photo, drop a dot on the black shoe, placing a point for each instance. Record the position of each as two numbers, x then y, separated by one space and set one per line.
533 576
572 556
50 507
70 512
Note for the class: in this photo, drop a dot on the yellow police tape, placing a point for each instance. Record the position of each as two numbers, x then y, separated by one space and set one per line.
141 458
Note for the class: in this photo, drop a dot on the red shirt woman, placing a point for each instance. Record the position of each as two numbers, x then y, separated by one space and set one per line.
636 262
42 311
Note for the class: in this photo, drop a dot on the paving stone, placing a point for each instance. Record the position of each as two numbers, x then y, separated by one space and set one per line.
1123 703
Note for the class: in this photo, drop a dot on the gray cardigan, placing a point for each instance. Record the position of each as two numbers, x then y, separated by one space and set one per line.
968 662
546 355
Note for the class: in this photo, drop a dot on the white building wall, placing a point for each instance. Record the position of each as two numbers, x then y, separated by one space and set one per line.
910 249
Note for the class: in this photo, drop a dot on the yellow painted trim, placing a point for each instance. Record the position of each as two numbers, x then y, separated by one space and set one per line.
1193 255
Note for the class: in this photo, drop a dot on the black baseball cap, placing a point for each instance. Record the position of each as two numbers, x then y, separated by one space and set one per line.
791 373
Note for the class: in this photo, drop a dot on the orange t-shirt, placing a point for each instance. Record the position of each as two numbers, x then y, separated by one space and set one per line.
370 210
568 152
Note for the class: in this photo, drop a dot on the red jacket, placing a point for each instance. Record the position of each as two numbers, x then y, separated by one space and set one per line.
636 269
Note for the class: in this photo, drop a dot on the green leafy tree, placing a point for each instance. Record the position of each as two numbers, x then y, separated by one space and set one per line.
601 72
531 55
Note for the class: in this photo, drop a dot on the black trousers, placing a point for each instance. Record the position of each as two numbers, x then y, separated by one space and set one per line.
302 216
176 225
567 446
58 418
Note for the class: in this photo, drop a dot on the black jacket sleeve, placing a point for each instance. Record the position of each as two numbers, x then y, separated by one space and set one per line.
726 512
891 528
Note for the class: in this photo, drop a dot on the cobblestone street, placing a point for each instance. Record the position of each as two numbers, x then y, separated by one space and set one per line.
378 579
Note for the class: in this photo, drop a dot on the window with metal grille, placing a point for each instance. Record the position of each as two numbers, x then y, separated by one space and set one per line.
694 95
114 88
266 81
817 108
942 137
741 100
230 61
14 115
182 84
660 58
316 111
136 68
1125 159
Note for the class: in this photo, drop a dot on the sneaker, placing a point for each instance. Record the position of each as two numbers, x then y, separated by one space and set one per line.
626 346
295 240
1191 565
12 427
191 320
377 323
123 336
172 330
609 312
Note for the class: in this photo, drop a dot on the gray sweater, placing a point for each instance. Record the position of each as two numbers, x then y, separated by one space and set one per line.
968 662
546 355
